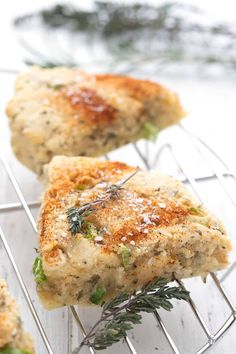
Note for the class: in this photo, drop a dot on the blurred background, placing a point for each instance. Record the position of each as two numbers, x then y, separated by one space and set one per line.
189 46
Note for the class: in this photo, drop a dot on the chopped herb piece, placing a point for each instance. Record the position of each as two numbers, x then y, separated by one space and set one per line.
125 254
80 187
149 132
38 270
97 295
194 210
55 86
90 231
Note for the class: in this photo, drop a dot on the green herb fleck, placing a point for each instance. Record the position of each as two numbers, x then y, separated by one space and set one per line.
194 210
80 187
55 86
149 132
97 295
38 271
125 254
90 231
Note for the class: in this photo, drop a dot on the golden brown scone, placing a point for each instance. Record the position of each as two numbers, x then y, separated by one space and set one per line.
11 329
153 227
64 111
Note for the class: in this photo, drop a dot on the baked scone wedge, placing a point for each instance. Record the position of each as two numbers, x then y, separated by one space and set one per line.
152 227
64 111
12 335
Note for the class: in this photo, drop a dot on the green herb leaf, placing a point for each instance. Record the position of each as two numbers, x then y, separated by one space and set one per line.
80 187
116 329
97 295
149 131
90 231
111 305
38 271
76 217
125 254
194 210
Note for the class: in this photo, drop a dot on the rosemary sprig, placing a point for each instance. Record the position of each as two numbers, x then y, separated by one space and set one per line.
120 314
76 215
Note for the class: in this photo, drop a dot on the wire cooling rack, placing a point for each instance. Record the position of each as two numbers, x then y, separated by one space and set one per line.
149 161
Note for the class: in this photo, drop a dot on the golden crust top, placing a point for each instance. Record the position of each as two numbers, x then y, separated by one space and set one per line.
140 210
97 98
64 111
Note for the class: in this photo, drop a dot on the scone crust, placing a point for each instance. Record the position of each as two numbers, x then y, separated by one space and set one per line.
164 228
64 111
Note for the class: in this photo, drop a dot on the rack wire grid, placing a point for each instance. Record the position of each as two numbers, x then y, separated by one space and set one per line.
142 151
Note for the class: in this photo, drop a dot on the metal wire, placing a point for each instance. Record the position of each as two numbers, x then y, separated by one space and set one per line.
26 294
11 258
212 338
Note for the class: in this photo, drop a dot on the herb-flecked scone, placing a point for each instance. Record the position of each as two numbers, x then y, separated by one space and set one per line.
65 111
12 335
99 237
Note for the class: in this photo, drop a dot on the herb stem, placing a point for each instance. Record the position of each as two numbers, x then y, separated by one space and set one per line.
120 314
89 335
76 215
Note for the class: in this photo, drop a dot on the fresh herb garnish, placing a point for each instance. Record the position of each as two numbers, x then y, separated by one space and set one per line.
149 132
76 215
38 271
120 314
97 295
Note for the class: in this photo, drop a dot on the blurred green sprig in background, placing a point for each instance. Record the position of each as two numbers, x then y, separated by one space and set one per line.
134 34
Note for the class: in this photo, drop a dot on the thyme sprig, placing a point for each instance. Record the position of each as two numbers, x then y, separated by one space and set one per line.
120 314
76 215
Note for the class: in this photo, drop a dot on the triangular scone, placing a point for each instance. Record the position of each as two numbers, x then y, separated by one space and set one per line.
64 111
152 227
12 335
